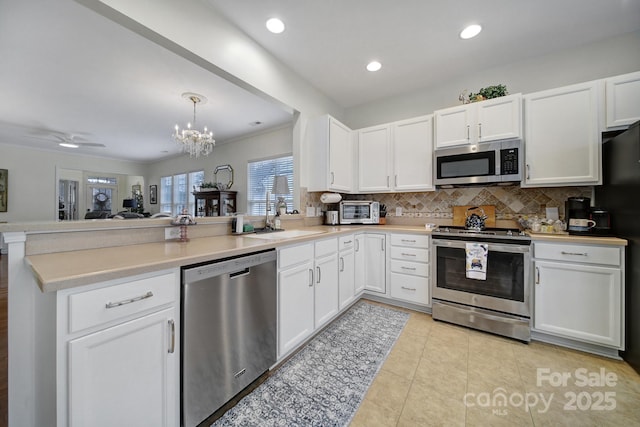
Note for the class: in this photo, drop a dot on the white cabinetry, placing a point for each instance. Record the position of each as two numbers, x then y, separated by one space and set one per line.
396 156
562 136
330 157
346 272
409 275
579 292
119 343
326 281
623 99
359 263
375 262
295 296
490 120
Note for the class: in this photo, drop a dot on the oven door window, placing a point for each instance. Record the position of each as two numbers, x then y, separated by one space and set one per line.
357 211
465 165
505 274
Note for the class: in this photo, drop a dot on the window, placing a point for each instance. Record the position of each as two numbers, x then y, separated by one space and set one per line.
260 180
174 192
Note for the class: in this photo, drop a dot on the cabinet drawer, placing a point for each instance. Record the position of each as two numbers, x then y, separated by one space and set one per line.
346 242
410 240
578 253
410 288
326 247
411 268
410 254
293 255
92 308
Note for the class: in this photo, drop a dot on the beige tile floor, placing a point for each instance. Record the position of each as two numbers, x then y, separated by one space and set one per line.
434 367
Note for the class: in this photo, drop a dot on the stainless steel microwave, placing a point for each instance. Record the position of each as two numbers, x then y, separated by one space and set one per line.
485 162
359 212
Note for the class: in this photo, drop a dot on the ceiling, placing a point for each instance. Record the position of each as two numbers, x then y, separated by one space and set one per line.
81 74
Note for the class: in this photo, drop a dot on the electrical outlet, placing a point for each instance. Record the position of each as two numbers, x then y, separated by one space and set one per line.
171 233
398 211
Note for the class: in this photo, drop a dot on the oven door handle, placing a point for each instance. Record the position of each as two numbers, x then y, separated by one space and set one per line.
495 247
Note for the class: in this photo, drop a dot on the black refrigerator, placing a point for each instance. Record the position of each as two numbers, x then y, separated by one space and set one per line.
620 194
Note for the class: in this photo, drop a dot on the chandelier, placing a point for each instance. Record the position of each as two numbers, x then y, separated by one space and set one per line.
192 141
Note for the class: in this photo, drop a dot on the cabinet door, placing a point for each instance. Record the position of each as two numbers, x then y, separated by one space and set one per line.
340 157
373 154
295 306
499 118
579 301
623 93
359 263
562 137
126 374
375 263
453 126
326 289
346 278
413 154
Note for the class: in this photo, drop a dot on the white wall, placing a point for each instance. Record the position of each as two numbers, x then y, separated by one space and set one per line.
618 55
32 179
236 153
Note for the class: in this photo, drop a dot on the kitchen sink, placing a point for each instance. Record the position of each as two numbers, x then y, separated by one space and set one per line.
288 234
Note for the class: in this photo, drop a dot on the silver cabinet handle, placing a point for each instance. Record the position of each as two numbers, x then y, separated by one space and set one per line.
404 254
408 289
332 177
408 268
396 180
310 277
382 241
575 253
537 276
341 264
129 301
348 242
468 133
479 131
318 279
357 245
408 240
172 329
528 174
387 180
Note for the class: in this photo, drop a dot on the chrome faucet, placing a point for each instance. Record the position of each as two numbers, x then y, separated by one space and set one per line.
267 222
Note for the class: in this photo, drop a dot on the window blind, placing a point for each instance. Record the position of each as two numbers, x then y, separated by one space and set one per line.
260 180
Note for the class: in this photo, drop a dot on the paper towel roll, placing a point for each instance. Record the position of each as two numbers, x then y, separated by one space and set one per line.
330 197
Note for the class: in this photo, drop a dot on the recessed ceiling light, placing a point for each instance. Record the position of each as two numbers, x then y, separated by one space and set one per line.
275 25
374 66
68 145
470 32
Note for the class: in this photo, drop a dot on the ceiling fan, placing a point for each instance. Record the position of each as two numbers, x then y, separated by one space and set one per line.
67 140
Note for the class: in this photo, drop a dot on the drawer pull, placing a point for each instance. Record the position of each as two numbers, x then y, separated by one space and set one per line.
348 242
129 301
408 240
172 328
575 253
408 268
404 254
408 289
310 277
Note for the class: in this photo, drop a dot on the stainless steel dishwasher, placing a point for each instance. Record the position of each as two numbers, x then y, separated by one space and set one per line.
229 311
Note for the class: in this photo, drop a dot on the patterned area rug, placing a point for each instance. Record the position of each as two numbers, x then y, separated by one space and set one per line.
325 382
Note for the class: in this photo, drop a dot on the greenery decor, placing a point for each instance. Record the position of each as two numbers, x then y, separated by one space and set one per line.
208 185
489 92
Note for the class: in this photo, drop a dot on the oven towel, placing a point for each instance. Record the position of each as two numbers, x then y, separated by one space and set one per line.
476 260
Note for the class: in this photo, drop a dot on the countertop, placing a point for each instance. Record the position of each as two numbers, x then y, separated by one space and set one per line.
70 269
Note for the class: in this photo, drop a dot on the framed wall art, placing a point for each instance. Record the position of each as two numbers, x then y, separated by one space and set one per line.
153 194
4 189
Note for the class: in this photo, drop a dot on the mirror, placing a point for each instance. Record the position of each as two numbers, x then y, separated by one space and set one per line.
220 184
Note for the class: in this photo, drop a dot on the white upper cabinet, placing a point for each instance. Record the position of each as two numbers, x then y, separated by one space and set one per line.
562 136
396 156
490 120
330 159
623 99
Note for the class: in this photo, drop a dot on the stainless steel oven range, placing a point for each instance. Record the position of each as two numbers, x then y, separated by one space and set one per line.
498 303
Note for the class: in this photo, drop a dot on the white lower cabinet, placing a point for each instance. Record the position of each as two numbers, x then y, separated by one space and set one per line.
579 294
409 275
346 271
359 263
375 262
326 289
118 347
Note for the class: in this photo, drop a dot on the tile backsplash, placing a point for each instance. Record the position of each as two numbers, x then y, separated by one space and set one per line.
511 202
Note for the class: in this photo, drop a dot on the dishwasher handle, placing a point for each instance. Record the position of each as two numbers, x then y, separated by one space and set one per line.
240 273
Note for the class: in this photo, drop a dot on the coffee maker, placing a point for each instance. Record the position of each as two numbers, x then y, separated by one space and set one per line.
602 221
577 212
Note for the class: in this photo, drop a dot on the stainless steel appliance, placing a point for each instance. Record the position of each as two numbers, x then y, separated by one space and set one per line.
621 184
359 212
501 303
331 218
229 311
486 162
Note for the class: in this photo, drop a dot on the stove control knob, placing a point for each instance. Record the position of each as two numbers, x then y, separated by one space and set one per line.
509 233
522 233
